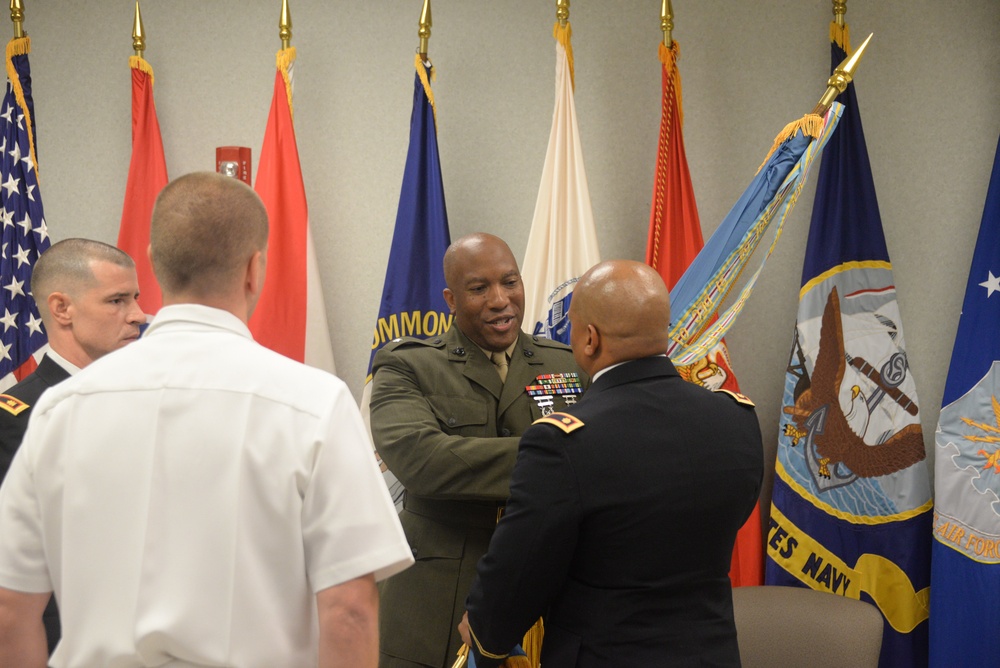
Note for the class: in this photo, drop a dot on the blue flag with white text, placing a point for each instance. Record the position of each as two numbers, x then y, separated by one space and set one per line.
412 295
965 559
851 506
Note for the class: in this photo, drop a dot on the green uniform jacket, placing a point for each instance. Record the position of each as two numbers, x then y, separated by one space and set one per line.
448 429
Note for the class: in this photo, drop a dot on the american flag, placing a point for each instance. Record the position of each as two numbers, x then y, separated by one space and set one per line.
25 235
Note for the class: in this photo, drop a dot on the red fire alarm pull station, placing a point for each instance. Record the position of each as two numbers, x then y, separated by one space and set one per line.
233 161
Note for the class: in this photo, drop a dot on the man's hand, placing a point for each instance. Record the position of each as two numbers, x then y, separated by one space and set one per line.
348 624
463 629
22 635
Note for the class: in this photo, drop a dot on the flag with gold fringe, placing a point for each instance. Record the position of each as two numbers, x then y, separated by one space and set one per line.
965 553
290 317
562 243
413 291
147 175
851 505
517 658
674 241
25 235
766 202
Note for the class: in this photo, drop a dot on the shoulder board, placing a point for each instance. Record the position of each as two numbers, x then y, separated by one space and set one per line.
12 405
564 421
406 341
548 343
740 398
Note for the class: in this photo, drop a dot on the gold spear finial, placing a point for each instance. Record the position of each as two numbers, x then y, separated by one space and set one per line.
667 23
839 9
138 34
562 11
843 75
17 16
425 28
285 26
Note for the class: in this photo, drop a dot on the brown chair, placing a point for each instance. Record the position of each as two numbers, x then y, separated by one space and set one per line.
788 627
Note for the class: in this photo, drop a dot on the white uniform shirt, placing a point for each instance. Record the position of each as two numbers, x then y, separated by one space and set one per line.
186 496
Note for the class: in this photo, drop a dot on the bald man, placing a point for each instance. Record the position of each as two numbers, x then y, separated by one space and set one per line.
196 499
446 416
624 508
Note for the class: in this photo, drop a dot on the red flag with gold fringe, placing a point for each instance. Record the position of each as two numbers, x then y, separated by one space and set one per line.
290 317
674 241
147 175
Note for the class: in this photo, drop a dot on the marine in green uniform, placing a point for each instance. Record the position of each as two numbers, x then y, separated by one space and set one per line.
446 419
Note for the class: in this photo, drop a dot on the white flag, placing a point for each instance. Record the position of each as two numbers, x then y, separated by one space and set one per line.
562 244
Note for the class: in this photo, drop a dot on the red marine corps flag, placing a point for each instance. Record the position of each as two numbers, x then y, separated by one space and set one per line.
147 175
674 241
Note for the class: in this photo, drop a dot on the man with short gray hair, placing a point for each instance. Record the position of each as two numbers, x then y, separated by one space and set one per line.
86 294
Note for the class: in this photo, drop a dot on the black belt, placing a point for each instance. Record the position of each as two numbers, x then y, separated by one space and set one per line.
459 513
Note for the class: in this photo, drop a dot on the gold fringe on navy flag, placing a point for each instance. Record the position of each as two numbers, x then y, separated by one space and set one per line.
412 303
851 510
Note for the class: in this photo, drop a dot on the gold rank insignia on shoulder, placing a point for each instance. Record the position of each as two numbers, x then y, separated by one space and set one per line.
741 398
564 421
12 405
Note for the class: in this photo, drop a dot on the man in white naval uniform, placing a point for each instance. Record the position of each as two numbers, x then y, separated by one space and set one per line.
196 499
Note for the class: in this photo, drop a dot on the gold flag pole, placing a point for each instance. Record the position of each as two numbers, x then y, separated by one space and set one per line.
562 12
285 26
17 16
843 75
463 657
425 30
667 23
839 9
138 34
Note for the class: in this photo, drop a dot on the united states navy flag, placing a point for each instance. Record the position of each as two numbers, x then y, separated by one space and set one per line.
851 507
965 571
412 295
25 235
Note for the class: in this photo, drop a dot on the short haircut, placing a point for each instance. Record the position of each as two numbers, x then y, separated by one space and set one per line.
205 226
66 266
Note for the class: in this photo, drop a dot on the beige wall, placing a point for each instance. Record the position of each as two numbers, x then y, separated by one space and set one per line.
929 92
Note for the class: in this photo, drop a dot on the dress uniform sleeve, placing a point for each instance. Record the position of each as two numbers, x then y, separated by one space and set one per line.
10 439
425 459
22 552
532 549
349 524
12 428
